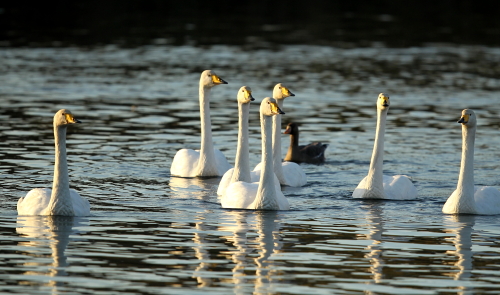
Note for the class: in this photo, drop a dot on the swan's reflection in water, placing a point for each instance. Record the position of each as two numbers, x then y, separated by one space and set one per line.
201 251
253 234
198 187
269 242
47 232
375 224
462 226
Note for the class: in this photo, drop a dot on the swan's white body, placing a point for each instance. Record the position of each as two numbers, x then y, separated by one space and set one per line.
208 161
241 170
467 198
262 195
288 173
59 200
376 185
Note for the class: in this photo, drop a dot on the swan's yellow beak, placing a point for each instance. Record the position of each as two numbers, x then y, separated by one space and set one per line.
464 119
248 95
217 80
275 109
70 119
383 100
286 92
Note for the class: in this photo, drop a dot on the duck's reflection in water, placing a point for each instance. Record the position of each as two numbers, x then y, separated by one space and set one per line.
44 232
255 237
462 226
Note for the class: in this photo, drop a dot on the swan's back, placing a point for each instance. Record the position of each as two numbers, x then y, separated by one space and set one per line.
294 175
399 187
239 195
37 200
487 200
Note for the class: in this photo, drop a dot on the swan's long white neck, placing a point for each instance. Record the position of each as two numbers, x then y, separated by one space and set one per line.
465 186
242 163
60 200
206 163
375 177
277 144
266 198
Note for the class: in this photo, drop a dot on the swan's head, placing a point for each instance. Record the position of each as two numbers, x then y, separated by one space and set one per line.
64 117
280 91
383 101
245 95
210 79
269 107
292 128
468 118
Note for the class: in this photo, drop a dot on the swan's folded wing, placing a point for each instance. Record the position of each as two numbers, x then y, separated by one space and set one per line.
399 187
294 175
239 195
487 200
34 202
81 206
224 182
184 163
282 201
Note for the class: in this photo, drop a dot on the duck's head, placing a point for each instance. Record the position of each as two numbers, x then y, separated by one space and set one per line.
245 95
64 117
383 101
269 107
210 79
468 118
291 128
280 91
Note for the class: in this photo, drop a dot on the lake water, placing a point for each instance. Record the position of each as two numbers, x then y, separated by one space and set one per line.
151 233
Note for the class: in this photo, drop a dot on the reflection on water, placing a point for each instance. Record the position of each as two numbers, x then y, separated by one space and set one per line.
462 228
197 187
375 222
44 232
151 233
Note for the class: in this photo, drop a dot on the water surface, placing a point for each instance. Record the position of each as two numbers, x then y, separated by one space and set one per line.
151 233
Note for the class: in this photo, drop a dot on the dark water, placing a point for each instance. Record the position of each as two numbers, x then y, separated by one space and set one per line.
150 233
253 24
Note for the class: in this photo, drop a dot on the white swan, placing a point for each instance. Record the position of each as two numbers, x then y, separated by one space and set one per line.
376 185
208 161
288 173
241 170
467 198
263 195
60 200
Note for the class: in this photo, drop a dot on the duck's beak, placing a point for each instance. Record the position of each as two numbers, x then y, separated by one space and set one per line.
288 130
